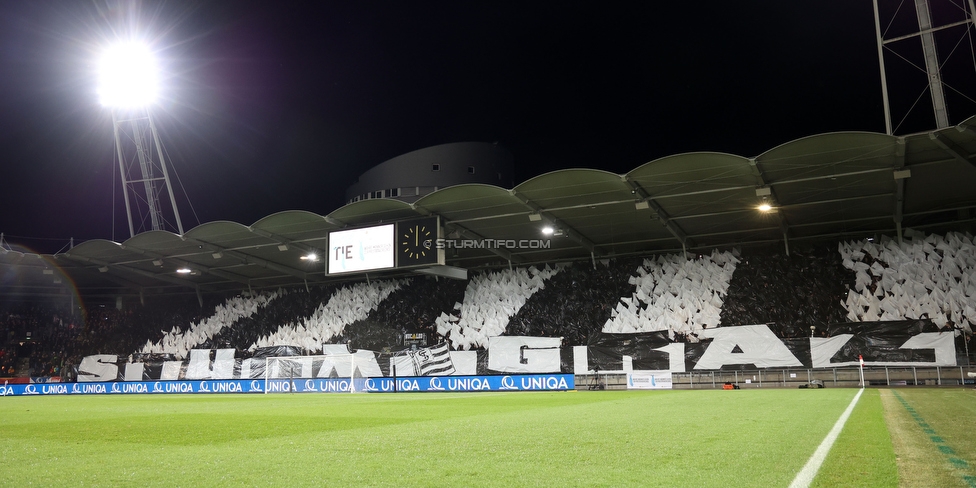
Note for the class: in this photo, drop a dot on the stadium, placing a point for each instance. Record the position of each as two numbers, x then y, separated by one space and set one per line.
799 317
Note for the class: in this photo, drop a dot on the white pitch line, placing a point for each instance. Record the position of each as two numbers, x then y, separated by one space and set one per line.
809 471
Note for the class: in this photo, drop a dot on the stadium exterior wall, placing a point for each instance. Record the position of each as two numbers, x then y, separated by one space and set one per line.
415 174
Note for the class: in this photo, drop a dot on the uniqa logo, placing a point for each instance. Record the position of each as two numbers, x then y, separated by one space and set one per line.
54 389
544 383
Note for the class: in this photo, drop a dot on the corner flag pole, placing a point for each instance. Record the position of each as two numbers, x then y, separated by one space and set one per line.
860 359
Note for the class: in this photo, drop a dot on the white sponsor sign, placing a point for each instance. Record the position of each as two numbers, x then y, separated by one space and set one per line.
361 249
520 354
649 380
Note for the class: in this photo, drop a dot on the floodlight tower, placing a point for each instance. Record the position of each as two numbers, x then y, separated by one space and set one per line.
957 19
128 86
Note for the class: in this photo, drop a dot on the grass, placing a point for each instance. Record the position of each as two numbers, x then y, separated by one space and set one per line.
863 454
935 430
609 438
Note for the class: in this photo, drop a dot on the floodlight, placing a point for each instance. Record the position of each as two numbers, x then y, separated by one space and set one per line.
310 257
127 76
184 271
548 230
765 207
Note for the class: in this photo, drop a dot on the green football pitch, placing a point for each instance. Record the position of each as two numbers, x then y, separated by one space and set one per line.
901 437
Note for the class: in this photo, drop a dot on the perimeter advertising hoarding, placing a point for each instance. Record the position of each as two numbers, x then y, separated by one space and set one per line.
649 380
362 249
534 382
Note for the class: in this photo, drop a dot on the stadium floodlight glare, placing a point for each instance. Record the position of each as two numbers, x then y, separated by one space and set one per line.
184 271
548 230
127 76
310 257
765 207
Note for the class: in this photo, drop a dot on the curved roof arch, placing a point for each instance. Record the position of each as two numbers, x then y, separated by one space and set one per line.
471 201
95 248
840 184
214 230
371 211
814 156
696 172
287 217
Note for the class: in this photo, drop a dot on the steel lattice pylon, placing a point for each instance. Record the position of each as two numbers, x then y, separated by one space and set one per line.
144 174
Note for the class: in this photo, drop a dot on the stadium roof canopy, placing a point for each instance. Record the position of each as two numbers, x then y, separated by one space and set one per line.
835 185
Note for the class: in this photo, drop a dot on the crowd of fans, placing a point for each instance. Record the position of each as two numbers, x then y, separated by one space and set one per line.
796 291
931 277
675 294
808 288
37 338
490 301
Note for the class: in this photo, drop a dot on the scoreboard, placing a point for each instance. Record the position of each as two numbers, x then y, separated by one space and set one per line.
405 244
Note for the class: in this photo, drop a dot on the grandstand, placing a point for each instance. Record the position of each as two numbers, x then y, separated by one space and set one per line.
835 261
860 228
804 256
686 285
608 317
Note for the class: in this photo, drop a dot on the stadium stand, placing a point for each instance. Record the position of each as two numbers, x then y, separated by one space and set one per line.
927 277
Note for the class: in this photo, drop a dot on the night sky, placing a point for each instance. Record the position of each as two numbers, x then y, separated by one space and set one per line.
272 106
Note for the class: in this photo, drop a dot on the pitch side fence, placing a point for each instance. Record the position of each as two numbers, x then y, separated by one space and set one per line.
795 377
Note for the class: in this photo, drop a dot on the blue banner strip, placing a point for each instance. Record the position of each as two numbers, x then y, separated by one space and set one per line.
528 382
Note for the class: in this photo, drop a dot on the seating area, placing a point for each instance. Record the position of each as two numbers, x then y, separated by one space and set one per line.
790 292
346 305
927 277
490 301
674 294
180 341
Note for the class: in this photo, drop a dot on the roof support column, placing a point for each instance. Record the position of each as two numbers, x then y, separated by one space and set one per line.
769 197
662 215
951 148
900 175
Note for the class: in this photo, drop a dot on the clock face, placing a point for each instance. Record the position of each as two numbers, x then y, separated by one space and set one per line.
417 243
